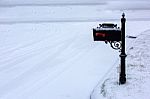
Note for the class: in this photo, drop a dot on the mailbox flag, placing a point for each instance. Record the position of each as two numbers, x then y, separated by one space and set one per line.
100 34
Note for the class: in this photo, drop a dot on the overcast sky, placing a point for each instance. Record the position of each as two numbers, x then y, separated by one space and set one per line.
108 4
92 1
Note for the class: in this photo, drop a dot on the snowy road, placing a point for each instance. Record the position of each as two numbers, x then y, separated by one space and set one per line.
50 61
41 59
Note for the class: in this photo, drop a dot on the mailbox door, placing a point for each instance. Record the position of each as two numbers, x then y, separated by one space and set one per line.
99 35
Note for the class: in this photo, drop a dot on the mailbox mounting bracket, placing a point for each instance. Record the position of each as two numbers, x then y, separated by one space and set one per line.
115 44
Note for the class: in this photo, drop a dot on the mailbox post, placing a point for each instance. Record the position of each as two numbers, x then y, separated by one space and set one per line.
112 34
123 55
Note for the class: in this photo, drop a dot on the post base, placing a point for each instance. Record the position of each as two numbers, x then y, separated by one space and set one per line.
122 79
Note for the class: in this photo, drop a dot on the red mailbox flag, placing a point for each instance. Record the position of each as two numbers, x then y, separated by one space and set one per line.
100 34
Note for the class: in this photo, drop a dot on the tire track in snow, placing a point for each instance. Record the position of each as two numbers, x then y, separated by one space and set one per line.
13 60
33 53
53 40
11 50
34 70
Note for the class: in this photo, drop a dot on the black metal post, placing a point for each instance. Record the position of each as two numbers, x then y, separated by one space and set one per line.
122 79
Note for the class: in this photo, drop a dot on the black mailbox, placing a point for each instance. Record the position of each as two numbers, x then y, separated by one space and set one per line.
107 32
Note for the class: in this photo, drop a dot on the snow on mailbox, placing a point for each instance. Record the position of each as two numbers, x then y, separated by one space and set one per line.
107 32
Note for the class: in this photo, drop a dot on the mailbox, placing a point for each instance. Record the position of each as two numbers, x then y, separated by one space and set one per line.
107 32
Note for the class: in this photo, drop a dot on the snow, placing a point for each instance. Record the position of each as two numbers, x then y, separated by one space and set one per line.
47 49
138 74
46 61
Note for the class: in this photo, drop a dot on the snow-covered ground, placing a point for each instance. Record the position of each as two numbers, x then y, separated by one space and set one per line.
50 61
138 74
47 50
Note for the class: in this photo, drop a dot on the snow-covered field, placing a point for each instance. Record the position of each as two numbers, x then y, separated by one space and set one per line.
47 50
